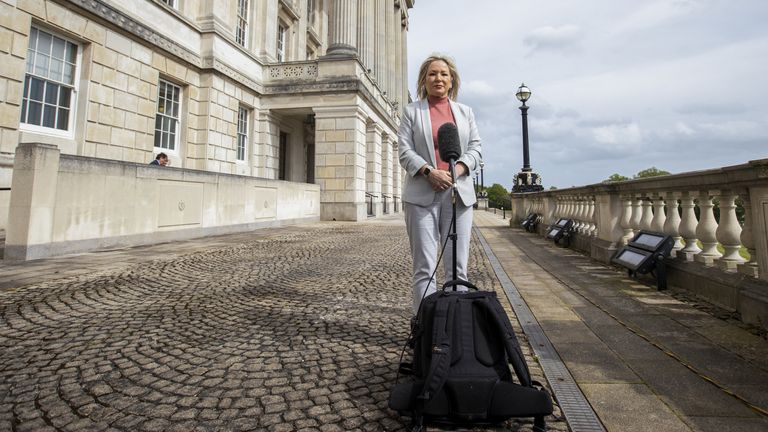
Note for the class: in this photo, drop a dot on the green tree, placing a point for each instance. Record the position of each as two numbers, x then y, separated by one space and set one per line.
617 177
498 196
650 172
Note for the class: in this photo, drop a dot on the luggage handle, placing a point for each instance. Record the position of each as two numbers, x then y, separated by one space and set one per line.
456 282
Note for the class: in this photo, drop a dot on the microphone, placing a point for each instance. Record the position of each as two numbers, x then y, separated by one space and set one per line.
448 142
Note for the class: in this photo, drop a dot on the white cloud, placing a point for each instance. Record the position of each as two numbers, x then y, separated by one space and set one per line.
618 134
562 38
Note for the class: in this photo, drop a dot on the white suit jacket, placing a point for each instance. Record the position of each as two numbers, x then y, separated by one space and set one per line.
416 148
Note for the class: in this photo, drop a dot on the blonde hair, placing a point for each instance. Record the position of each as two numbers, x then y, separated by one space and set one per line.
421 86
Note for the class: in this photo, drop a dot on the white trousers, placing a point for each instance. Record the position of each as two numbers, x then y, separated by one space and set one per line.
428 229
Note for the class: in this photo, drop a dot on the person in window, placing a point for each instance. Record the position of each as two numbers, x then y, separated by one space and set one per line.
161 159
427 190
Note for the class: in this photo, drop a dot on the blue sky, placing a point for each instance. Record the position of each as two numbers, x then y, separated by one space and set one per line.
618 85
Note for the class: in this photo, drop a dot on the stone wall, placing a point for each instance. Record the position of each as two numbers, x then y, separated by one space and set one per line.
64 204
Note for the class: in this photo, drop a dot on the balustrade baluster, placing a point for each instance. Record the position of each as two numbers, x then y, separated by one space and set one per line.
592 225
688 227
672 223
626 219
728 232
637 213
748 240
706 230
578 215
647 217
659 216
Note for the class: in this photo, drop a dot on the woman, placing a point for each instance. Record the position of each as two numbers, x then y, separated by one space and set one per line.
427 190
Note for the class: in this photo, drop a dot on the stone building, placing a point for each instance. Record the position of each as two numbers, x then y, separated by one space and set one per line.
271 112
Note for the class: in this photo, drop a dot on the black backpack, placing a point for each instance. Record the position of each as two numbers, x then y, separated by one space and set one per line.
463 344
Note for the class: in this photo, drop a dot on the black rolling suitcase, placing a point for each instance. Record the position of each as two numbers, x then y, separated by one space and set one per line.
463 345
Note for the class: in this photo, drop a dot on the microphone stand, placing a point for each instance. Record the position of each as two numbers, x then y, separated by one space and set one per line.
453 234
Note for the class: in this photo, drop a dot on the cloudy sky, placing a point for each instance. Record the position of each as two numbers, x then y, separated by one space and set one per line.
618 85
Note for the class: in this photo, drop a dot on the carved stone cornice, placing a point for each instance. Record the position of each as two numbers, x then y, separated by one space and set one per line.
138 29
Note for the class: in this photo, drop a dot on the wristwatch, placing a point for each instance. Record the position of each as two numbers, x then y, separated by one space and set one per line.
427 170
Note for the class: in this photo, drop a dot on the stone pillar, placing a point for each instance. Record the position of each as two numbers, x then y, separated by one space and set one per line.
386 171
397 178
380 42
404 70
366 32
389 61
340 147
33 198
343 29
373 171
397 77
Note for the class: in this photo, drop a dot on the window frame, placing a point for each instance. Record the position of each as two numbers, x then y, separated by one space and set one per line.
170 3
73 98
282 42
243 131
242 23
177 136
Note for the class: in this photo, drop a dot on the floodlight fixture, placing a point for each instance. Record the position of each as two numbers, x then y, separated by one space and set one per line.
561 230
646 253
530 222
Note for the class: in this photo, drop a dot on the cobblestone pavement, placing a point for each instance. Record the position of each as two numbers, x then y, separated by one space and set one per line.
278 330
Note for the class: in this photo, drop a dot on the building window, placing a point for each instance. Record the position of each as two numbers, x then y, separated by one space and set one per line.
242 133
242 22
49 84
311 12
167 117
281 36
171 3
282 156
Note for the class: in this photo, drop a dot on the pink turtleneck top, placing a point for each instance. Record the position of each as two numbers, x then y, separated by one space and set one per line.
439 114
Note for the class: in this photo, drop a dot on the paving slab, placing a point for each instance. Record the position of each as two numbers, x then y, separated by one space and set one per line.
680 364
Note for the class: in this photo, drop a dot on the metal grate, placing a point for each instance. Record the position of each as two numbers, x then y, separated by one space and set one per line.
576 409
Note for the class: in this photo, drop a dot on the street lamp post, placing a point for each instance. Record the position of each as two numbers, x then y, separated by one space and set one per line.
526 180
482 178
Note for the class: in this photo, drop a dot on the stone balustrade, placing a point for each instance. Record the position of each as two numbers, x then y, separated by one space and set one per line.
712 215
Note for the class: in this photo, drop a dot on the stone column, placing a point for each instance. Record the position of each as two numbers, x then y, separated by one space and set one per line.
397 177
340 147
386 170
397 78
380 42
343 29
33 198
366 32
373 171
389 61
404 64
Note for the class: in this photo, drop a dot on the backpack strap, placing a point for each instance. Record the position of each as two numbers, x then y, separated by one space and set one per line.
511 344
442 323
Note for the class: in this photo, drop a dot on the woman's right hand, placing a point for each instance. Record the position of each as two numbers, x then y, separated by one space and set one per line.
439 180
